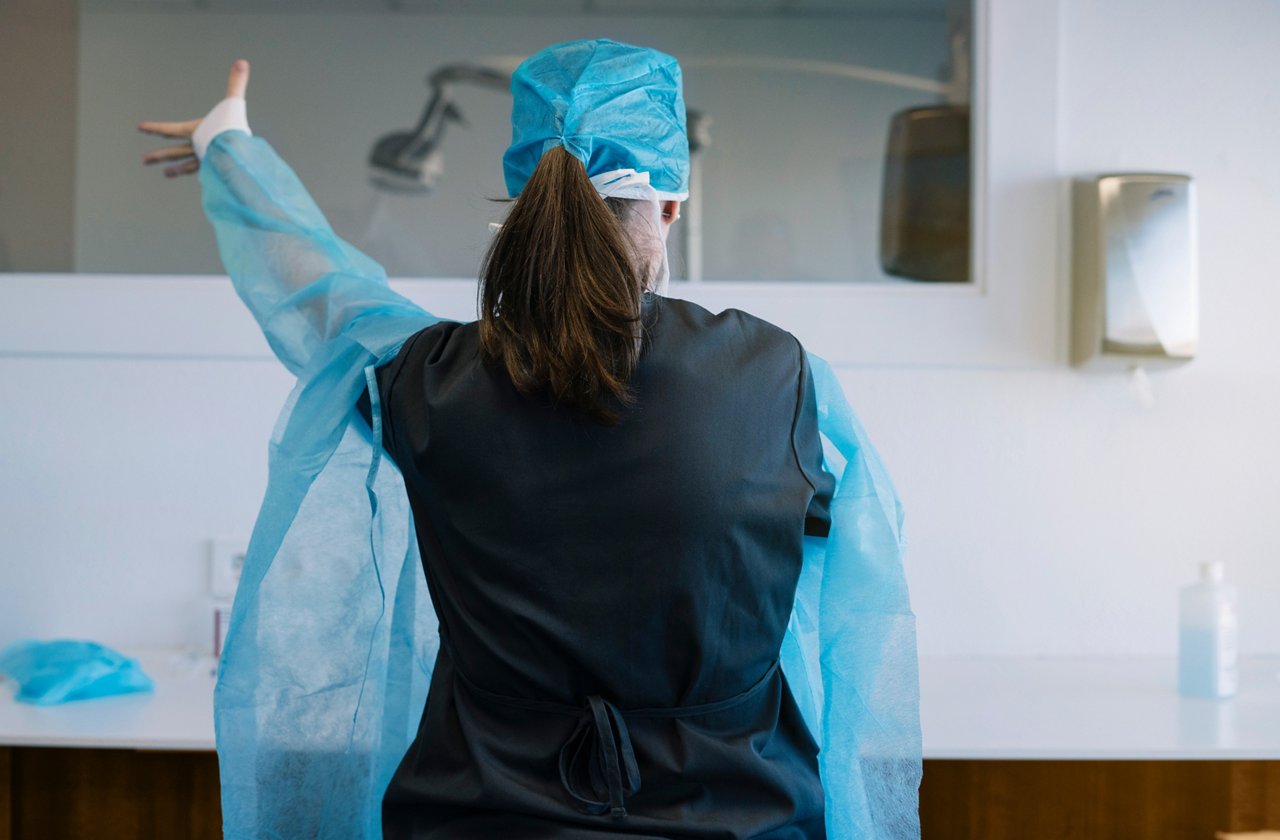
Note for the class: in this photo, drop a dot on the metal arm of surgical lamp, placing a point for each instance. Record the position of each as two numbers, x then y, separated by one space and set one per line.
411 161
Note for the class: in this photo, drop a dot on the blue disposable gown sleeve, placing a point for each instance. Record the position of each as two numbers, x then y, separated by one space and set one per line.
849 653
331 642
305 286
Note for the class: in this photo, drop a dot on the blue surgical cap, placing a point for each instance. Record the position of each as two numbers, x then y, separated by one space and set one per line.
613 106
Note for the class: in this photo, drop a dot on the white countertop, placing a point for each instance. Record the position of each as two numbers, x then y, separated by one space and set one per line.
971 707
1092 707
177 715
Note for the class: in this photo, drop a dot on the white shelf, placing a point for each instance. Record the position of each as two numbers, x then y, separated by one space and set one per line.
1117 708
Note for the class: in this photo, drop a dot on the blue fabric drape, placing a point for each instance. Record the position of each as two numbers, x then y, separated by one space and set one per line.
333 636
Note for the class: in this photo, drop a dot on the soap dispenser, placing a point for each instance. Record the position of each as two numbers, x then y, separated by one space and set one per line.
1207 635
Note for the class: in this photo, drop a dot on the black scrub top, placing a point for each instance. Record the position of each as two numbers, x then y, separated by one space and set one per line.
611 600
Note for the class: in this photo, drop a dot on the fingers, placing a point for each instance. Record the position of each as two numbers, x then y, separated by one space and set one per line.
239 78
168 129
183 156
170 153
237 83
182 169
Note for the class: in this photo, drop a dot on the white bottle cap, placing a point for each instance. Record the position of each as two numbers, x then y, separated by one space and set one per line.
1212 571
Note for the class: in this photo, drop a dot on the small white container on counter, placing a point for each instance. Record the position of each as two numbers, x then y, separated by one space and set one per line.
1207 635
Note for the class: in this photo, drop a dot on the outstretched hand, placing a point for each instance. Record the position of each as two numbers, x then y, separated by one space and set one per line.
183 156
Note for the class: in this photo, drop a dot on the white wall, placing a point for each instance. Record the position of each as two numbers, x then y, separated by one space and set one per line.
113 471
1049 511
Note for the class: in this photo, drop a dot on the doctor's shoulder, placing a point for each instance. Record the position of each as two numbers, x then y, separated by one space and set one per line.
739 332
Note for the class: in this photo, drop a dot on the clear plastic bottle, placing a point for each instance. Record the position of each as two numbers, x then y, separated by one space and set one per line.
1207 635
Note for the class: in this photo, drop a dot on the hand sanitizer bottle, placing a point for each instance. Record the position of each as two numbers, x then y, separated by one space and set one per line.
1207 635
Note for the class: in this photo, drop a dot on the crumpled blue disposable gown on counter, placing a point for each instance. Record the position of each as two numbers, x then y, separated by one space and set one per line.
48 673
332 636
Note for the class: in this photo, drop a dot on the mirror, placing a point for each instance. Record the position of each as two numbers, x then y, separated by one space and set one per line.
832 136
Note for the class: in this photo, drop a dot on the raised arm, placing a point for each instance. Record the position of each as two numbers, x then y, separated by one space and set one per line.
303 283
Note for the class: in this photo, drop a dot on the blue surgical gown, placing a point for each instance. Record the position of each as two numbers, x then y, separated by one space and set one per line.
334 638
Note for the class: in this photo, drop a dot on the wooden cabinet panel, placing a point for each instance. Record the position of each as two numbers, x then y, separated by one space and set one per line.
116 794
50 794
6 797
1097 800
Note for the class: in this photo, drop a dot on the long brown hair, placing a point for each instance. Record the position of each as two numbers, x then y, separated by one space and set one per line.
560 294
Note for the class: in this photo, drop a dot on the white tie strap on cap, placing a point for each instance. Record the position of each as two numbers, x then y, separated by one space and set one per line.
628 183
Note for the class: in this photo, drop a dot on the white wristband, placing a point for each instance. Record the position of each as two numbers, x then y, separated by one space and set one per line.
228 114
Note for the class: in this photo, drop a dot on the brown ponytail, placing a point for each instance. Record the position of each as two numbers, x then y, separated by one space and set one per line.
560 293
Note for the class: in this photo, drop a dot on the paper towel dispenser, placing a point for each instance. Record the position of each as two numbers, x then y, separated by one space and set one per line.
924 204
1135 279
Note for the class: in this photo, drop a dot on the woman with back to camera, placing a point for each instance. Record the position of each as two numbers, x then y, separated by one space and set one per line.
655 602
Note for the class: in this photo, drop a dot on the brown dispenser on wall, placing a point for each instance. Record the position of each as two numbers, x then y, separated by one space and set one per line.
924 211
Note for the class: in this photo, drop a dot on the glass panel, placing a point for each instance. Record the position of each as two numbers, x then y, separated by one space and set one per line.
834 133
